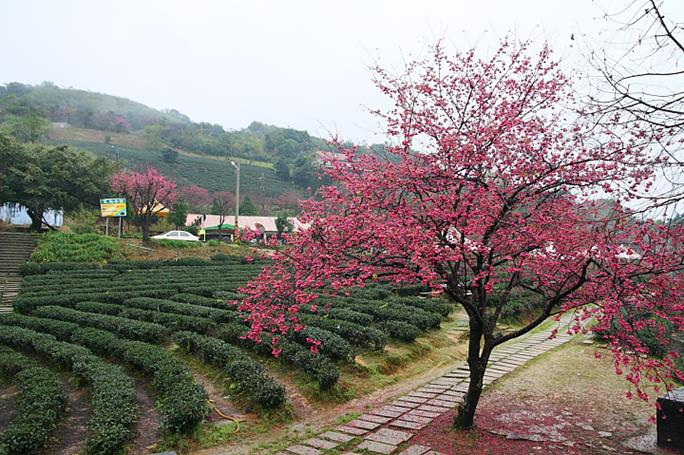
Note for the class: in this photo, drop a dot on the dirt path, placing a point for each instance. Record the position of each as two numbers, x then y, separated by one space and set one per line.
73 431
216 395
8 402
149 419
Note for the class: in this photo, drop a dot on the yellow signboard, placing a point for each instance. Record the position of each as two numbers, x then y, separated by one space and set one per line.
113 207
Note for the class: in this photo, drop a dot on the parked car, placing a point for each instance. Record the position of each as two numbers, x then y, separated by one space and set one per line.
176 235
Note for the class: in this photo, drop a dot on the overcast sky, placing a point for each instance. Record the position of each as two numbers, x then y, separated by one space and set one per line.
302 64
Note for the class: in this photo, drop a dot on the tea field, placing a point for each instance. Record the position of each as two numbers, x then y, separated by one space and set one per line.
109 326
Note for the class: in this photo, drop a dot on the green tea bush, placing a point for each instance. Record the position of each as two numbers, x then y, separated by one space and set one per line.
356 334
182 401
400 330
113 392
61 246
331 344
248 375
41 405
127 328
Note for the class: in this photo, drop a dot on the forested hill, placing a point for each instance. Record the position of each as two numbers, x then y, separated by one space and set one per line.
151 128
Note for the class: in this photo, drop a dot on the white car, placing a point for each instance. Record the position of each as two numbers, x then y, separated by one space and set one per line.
176 235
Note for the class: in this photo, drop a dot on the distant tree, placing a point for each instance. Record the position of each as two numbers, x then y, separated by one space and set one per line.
282 170
107 139
247 207
283 225
59 178
153 136
149 193
223 204
289 200
304 173
29 128
179 214
170 155
197 197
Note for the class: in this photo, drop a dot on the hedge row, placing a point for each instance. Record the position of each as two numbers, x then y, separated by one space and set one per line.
356 334
33 268
249 376
319 366
113 391
204 301
400 330
181 401
127 328
431 305
331 344
27 304
42 404
393 312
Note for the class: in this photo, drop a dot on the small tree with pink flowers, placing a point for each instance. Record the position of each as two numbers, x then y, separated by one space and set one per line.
149 193
491 194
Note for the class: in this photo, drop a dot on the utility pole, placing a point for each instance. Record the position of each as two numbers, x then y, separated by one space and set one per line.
236 237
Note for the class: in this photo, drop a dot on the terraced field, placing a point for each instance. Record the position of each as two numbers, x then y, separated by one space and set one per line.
120 330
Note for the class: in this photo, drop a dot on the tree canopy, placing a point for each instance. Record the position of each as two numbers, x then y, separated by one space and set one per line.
500 200
41 177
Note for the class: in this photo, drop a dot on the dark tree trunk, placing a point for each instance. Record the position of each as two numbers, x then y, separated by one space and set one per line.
36 216
145 231
477 363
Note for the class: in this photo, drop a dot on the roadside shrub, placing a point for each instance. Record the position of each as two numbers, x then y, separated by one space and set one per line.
178 244
400 330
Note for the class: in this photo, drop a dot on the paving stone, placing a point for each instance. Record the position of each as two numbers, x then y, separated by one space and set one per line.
352 430
419 412
395 408
406 424
391 437
411 399
390 413
303 450
374 418
440 409
423 394
416 449
433 452
320 443
377 447
335 436
442 403
461 387
416 418
453 393
365 424
405 404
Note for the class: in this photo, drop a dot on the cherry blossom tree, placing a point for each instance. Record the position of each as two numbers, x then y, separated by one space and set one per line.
197 197
493 193
149 193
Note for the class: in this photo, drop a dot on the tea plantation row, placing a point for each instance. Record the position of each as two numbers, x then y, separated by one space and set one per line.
82 317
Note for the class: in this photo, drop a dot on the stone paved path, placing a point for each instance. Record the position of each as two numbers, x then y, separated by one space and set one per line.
384 429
